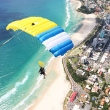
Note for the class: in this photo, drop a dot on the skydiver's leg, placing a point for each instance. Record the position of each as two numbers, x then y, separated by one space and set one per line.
44 75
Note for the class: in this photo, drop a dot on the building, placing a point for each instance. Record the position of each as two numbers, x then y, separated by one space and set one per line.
95 41
107 90
95 88
80 72
100 45
73 96
102 102
89 82
76 107
83 59
88 87
93 78
83 98
107 19
88 52
103 57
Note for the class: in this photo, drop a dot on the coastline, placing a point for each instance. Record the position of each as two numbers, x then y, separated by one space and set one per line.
55 94
87 26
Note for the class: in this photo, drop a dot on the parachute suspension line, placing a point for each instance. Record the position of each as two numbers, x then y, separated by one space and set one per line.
21 42
37 44
31 43
26 41
7 40
16 34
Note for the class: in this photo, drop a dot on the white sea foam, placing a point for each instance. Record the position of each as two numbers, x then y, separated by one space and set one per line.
13 91
77 26
67 14
38 84
6 75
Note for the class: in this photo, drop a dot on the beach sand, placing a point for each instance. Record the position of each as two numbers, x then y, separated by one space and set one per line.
54 96
88 24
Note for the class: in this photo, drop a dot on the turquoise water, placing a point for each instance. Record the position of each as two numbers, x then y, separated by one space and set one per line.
20 83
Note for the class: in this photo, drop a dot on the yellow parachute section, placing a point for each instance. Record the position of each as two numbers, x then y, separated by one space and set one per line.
41 63
32 25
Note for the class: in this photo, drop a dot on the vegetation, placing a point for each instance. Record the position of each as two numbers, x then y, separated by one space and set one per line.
69 94
93 94
66 100
75 51
104 85
76 78
106 106
85 10
87 73
75 60
67 77
94 104
102 76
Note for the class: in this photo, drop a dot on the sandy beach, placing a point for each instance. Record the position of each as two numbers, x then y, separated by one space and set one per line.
88 24
54 96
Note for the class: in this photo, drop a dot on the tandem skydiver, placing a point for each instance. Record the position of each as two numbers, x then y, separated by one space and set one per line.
42 71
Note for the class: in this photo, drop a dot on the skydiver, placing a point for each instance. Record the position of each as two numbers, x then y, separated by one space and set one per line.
42 71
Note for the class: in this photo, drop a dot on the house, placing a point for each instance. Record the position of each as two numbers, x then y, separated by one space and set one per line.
107 90
83 97
88 87
107 99
89 82
80 72
101 71
102 102
93 78
95 88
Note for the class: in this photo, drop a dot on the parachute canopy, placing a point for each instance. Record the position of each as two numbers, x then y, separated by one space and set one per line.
41 63
47 32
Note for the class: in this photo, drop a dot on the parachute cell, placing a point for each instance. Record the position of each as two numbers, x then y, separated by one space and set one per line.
47 32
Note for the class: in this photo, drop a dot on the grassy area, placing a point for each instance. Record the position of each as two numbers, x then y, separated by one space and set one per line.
76 51
65 101
69 93
75 60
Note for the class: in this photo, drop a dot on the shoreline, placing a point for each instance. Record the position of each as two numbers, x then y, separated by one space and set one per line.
87 25
54 95
50 96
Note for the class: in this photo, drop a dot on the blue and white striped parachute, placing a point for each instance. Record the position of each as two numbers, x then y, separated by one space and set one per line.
47 32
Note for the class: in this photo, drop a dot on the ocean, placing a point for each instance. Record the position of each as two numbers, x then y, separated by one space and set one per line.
20 82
